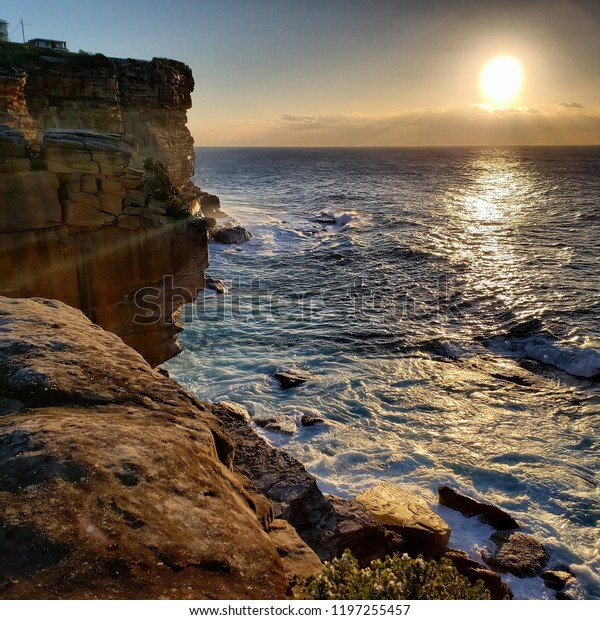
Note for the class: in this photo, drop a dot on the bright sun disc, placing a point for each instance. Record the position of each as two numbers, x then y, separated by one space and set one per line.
501 79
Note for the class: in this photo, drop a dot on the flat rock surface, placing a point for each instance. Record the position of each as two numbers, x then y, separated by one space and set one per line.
517 553
409 515
114 480
469 507
290 378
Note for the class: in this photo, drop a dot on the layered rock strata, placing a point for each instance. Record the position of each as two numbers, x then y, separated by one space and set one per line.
79 224
115 482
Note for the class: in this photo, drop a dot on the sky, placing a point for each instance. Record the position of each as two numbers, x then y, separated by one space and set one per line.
352 72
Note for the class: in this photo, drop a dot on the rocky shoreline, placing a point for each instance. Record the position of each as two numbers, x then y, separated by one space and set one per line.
116 483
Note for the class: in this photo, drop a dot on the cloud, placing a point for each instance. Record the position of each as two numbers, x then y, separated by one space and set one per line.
570 104
454 126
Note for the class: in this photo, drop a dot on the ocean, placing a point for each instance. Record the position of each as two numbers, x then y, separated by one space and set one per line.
446 303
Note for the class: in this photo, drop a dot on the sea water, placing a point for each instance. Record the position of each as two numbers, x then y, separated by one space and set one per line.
446 304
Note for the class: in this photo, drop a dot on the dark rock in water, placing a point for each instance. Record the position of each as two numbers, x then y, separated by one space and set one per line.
324 218
557 579
290 379
309 420
327 524
211 222
407 514
164 372
517 553
474 571
233 236
279 425
218 286
492 515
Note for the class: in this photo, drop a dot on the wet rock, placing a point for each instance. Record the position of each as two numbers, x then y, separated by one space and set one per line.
129 497
234 409
517 553
408 515
557 579
218 286
290 379
469 507
276 425
233 236
474 571
309 420
327 524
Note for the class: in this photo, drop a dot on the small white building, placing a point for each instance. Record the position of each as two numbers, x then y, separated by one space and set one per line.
3 30
50 44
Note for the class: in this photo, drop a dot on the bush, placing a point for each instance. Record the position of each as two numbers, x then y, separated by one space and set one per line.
398 577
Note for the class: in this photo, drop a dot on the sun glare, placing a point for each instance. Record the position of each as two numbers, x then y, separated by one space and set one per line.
501 79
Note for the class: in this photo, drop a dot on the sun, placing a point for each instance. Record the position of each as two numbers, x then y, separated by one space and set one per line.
501 79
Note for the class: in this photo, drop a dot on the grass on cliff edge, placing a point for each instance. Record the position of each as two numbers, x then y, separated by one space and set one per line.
398 577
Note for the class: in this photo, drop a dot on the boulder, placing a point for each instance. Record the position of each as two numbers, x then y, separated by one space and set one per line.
289 378
474 571
309 420
218 286
409 515
557 579
517 553
469 507
115 482
233 236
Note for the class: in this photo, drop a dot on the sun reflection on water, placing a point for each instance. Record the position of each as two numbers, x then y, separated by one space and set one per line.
485 212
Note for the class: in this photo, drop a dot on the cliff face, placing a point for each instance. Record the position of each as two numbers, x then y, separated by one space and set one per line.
115 482
96 205
146 102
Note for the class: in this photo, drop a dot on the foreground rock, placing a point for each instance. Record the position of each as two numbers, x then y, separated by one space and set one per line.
115 482
235 235
469 507
327 524
517 553
408 515
298 559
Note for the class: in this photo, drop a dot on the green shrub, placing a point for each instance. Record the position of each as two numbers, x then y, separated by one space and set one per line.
398 577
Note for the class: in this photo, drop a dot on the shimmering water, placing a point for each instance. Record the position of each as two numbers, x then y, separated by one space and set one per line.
446 303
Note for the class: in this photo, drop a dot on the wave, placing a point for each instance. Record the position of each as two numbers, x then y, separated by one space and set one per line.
579 361
339 219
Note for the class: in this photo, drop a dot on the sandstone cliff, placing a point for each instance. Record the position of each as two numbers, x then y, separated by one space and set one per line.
115 482
96 202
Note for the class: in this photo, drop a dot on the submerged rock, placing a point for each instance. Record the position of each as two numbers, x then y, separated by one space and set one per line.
289 378
233 236
408 515
517 553
115 482
469 507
